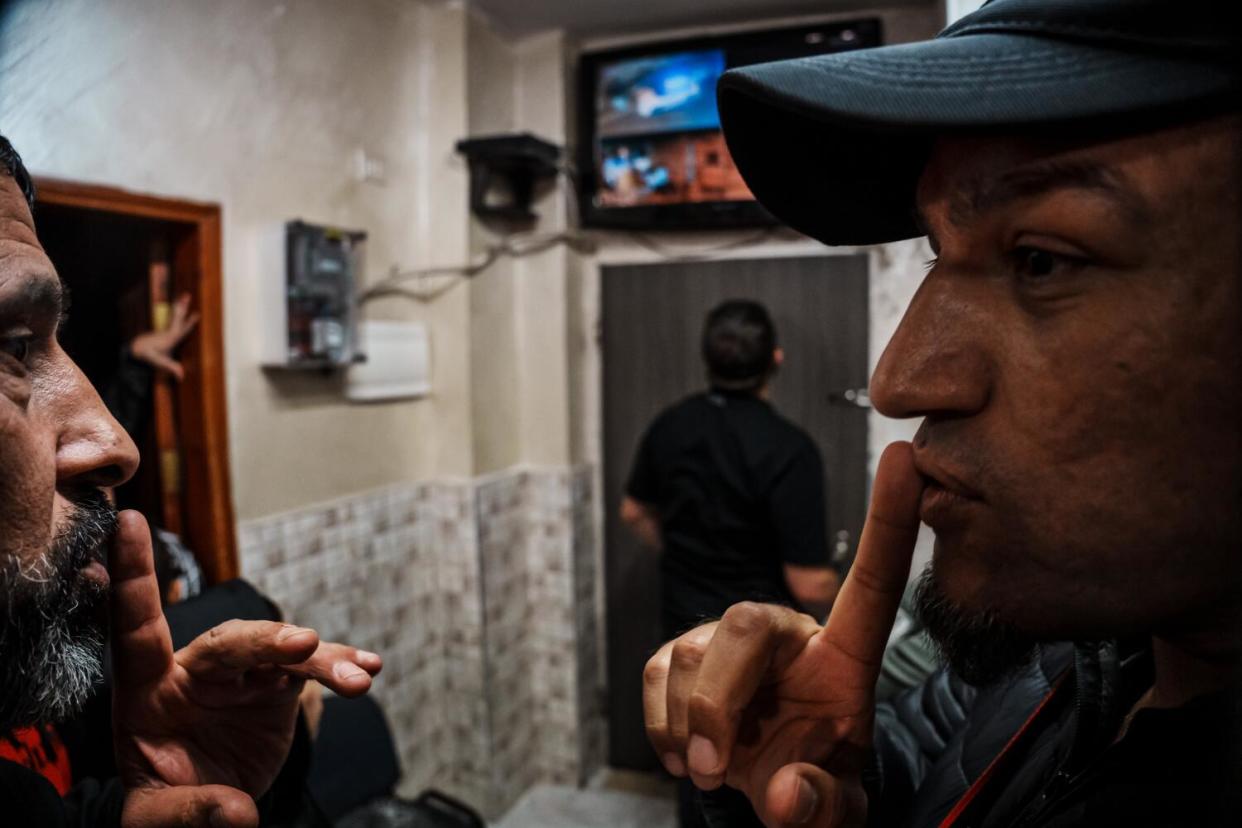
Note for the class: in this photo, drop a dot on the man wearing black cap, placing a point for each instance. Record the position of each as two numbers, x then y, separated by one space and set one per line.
1073 353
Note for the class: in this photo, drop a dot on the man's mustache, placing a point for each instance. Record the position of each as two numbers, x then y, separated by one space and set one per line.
950 460
84 537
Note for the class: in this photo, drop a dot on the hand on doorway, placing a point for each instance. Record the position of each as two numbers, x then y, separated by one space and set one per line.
202 732
156 348
769 702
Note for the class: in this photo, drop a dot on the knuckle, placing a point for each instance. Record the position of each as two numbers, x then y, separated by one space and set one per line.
688 653
221 632
657 730
657 669
705 712
749 618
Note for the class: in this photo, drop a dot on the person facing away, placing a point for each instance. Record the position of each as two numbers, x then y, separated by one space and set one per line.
1072 354
728 490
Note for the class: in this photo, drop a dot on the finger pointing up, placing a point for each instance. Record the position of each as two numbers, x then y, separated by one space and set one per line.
141 643
863 613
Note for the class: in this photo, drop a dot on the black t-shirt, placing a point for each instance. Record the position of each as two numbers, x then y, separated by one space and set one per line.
740 493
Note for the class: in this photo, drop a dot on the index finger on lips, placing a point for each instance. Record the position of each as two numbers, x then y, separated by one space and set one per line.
862 615
141 642
747 641
234 647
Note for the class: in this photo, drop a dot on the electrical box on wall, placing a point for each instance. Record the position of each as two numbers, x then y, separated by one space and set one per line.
311 319
398 364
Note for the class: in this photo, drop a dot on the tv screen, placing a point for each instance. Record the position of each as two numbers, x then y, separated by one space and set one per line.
651 153
659 134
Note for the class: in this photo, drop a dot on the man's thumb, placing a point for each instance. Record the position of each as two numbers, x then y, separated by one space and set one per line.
206 806
805 796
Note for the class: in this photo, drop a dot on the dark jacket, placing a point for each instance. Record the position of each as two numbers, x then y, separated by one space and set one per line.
27 799
1178 767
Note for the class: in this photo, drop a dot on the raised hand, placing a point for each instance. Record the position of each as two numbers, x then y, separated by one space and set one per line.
770 703
156 348
201 732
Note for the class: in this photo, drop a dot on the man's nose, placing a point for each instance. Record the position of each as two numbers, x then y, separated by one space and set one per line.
936 362
92 449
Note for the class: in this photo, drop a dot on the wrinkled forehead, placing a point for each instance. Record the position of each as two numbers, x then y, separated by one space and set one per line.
24 266
1195 162
16 222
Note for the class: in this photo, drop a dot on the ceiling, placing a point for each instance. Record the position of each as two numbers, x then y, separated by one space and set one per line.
606 17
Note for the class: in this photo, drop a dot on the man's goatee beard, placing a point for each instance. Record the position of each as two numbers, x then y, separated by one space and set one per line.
976 645
52 621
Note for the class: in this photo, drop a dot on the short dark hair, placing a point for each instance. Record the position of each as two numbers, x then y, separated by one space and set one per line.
739 341
11 164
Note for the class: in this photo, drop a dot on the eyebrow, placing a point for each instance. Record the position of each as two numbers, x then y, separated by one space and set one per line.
34 295
978 197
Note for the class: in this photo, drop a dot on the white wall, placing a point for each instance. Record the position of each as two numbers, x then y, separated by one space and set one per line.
495 379
955 9
259 106
519 316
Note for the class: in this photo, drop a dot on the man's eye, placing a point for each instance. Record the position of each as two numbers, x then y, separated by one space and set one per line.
18 347
1036 263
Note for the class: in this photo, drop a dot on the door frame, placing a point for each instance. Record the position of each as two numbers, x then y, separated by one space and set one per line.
203 423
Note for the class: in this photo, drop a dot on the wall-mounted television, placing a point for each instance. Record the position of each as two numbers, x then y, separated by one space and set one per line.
651 155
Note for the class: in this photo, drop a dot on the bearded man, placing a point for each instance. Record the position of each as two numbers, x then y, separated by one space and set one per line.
1073 353
199 733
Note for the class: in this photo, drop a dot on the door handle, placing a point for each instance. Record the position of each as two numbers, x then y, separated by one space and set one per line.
850 398
841 548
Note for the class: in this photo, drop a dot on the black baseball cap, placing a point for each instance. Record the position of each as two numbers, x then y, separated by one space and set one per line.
833 145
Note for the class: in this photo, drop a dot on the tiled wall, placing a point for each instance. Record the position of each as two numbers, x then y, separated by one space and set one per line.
480 596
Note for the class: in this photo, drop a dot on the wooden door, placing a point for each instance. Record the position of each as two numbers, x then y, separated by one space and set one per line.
652 319
199 426
163 393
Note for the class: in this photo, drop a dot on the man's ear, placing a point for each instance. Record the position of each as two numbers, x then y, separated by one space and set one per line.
778 357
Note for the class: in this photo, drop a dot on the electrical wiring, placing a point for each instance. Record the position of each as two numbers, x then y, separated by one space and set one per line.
516 246
411 284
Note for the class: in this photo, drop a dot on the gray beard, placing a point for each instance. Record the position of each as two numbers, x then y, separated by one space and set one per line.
52 622
979 646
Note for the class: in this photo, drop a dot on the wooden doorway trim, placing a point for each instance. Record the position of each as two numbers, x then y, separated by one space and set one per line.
201 395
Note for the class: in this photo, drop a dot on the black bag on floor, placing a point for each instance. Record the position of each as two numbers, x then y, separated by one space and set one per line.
355 770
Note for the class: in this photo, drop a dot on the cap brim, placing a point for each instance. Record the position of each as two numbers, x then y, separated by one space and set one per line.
833 145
